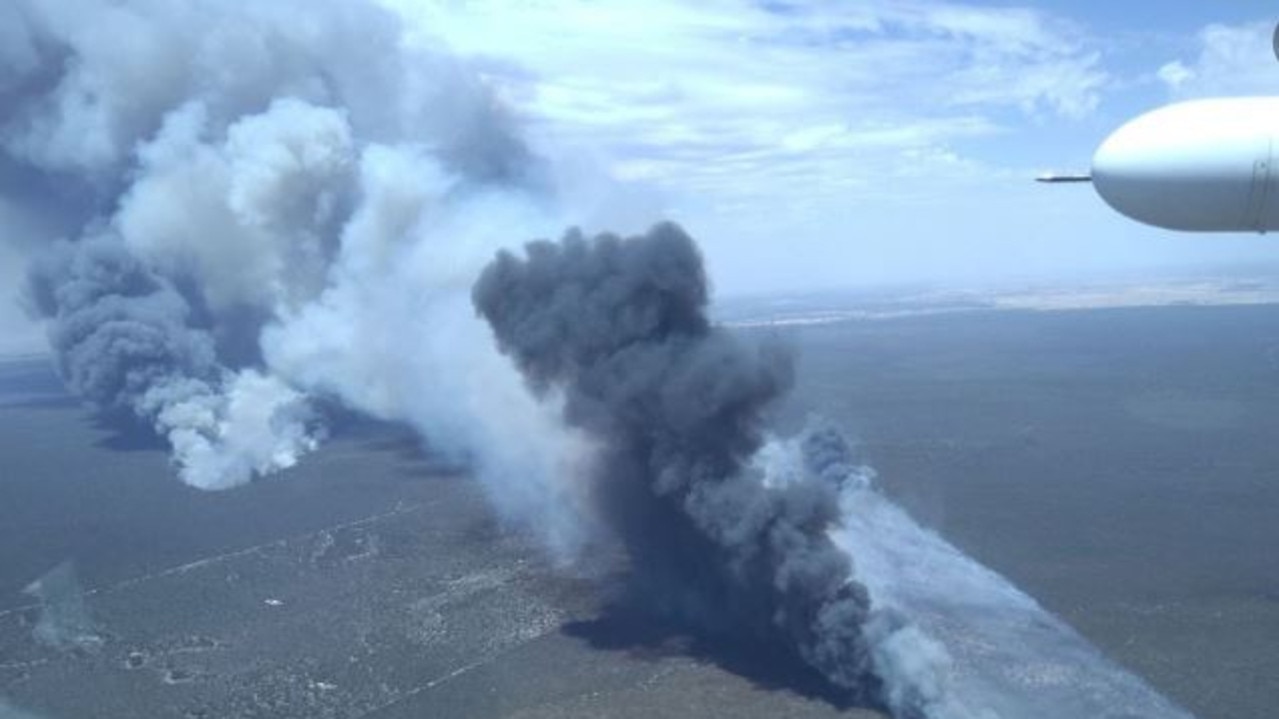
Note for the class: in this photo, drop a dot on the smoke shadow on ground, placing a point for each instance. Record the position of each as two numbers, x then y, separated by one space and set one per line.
416 459
126 434
31 383
29 375
39 401
623 627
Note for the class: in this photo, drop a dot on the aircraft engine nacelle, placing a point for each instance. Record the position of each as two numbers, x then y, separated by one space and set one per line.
1202 165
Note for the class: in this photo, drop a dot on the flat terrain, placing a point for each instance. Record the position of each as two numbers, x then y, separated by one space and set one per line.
364 583
1121 466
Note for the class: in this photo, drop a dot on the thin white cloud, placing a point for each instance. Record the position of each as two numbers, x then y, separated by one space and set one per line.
806 142
1232 60
729 95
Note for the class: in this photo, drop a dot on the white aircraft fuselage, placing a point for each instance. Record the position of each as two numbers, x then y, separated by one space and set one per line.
1201 166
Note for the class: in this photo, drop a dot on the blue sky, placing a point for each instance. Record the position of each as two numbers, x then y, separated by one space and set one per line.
820 144
833 144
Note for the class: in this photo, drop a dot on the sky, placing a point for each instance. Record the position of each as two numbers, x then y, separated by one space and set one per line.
814 144
820 144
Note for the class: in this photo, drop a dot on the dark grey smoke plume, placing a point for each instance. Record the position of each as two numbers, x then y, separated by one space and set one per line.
120 330
123 339
619 326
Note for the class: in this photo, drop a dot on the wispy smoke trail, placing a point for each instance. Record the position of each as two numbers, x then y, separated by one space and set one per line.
619 327
64 619
949 638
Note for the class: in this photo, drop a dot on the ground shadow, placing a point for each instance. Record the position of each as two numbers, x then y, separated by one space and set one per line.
126 434
416 457
30 375
623 627
31 383
39 401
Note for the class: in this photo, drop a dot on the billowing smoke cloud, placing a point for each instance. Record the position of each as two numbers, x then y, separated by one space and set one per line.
192 176
619 327
235 208
123 341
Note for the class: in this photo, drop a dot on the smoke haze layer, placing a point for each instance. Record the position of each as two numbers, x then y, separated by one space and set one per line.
619 327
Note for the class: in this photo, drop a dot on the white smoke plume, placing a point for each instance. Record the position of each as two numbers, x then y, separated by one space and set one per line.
249 204
255 425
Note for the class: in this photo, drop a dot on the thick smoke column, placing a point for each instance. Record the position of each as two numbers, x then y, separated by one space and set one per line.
619 327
